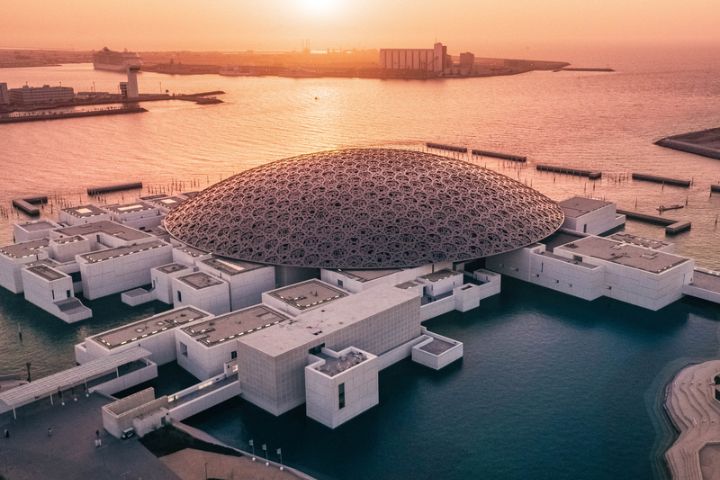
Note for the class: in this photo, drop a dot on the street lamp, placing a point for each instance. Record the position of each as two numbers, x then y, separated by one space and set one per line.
267 460
279 452
252 444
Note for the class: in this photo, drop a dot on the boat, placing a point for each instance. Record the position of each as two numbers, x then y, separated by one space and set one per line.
675 206
113 61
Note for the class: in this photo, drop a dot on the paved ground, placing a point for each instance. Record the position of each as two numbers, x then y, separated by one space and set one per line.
70 452
710 462
191 464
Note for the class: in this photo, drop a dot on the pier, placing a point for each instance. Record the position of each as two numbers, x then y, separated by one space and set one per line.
27 204
117 187
503 156
646 177
672 227
51 115
442 146
591 174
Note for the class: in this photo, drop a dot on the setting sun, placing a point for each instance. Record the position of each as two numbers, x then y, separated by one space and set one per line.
319 7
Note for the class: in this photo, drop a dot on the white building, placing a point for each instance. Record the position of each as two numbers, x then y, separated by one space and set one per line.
27 95
140 215
247 281
588 215
161 280
34 230
53 291
155 334
431 60
203 291
14 257
82 214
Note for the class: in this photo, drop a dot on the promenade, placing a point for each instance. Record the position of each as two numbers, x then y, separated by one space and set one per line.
695 412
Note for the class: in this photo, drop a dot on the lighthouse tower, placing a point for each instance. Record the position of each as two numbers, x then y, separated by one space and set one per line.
132 83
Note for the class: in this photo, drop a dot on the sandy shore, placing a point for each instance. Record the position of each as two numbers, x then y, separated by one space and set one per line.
190 464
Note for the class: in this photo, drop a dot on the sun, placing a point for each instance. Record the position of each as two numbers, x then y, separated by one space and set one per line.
318 7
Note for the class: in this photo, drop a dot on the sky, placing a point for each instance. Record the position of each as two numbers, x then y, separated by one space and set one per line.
484 26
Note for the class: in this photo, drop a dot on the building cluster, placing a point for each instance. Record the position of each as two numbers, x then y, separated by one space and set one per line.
426 61
293 327
47 95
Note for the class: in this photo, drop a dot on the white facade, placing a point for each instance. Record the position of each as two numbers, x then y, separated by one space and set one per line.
132 83
334 396
161 280
140 215
115 270
203 291
35 230
246 281
14 257
82 214
53 291
587 215
436 351
27 95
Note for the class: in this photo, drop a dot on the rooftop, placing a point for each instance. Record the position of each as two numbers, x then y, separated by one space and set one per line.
46 272
166 202
200 280
193 252
437 346
408 284
623 254
706 281
108 227
129 207
640 241
579 263
440 275
363 276
336 365
84 211
64 240
37 226
234 324
310 327
308 294
560 238
171 268
148 327
578 206
24 249
230 267
110 253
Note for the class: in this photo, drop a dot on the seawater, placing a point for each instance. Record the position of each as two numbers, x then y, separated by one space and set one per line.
550 386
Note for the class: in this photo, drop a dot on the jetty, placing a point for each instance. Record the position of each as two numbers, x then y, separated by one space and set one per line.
442 146
715 188
586 69
703 142
28 204
503 156
117 187
672 227
691 403
646 177
53 115
591 174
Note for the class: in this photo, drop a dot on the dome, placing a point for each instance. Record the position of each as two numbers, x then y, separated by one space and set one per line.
364 209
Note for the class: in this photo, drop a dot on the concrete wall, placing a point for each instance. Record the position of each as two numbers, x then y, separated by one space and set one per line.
573 278
116 275
360 384
162 346
21 234
596 222
11 268
128 380
246 288
202 361
199 404
162 283
436 361
45 294
66 251
214 299
514 264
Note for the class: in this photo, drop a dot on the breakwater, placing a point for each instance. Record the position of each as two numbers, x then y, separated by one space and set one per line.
503 156
591 174
646 177
672 227
50 115
28 204
117 187
450 148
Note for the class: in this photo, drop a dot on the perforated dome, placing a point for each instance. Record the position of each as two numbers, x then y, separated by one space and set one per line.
364 209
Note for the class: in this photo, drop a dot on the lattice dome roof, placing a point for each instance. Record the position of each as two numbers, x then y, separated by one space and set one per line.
364 209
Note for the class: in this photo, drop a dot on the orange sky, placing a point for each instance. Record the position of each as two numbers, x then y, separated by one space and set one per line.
484 26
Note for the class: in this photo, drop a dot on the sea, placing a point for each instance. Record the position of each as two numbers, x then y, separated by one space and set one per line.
550 387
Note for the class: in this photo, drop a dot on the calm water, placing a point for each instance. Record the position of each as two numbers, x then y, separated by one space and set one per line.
550 386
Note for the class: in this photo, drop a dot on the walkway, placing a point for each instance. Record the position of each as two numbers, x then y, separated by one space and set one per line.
70 452
695 412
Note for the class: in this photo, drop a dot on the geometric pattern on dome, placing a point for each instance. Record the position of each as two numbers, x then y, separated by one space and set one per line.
364 209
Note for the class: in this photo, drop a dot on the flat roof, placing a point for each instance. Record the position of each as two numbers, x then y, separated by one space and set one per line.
363 276
336 365
64 240
437 346
706 281
231 267
24 249
171 268
560 238
129 207
310 327
234 324
148 326
108 227
110 253
624 254
193 252
568 260
640 241
84 211
37 226
307 295
578 206
440 275
408 284
49 385
166 201
46 272
200 280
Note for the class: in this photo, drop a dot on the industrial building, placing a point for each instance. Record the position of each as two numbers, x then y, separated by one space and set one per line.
46 94
428 60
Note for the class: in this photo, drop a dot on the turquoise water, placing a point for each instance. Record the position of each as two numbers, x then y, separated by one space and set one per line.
550 387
